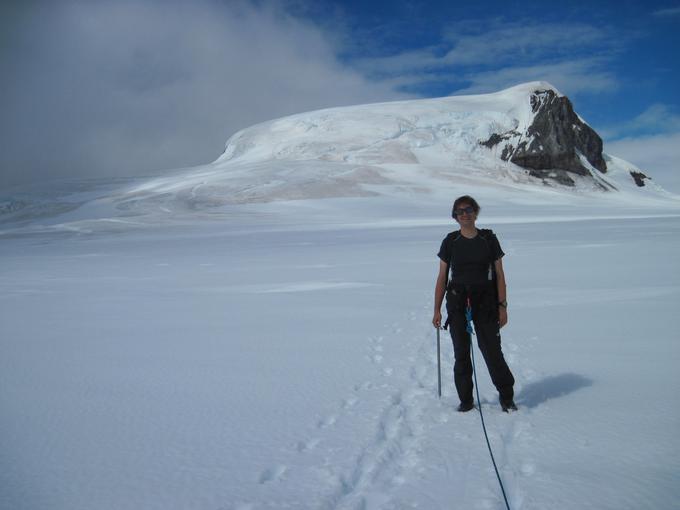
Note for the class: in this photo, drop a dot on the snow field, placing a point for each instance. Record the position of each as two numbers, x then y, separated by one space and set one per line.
267 367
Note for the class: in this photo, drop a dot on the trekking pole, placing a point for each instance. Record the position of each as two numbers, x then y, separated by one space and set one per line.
439 366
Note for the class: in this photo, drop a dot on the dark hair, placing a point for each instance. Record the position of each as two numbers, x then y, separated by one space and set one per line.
463 199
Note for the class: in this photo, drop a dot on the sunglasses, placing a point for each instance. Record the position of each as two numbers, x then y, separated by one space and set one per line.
463 210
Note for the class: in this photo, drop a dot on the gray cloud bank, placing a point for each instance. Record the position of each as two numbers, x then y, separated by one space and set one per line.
121 88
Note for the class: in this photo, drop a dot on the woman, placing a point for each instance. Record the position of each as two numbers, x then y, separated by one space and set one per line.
473 258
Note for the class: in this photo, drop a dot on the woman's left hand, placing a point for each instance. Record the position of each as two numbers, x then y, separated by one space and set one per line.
502 316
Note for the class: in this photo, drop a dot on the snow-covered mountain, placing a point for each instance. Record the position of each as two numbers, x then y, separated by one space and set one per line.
526 139
407 145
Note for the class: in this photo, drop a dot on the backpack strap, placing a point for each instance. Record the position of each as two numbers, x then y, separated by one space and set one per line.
456 235
487 234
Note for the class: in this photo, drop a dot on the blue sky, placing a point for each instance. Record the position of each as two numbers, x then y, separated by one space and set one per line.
107 88
617 60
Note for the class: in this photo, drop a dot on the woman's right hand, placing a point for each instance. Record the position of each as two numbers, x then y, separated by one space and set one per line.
437 319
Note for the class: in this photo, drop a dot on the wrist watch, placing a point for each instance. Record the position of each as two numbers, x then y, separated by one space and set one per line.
503 303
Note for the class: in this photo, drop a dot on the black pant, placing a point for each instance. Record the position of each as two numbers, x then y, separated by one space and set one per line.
485 319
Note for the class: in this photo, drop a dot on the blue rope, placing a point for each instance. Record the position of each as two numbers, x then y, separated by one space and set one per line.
468 318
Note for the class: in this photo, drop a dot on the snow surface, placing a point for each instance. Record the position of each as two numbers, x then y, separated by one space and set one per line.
284 358
198 341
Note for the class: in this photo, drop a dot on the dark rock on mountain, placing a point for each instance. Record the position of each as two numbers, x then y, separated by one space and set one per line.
552 144
495 138
638 177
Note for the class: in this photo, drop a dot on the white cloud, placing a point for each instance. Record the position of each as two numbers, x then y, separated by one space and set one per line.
667 13
499 42
657 156
658 118
494 55
570 77
122 87
411 61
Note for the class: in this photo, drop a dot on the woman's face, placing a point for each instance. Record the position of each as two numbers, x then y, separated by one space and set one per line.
465 214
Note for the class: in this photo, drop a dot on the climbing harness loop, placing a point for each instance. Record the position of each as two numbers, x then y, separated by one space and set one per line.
468 318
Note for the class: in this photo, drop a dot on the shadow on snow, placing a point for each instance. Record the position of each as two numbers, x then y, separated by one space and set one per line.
535 393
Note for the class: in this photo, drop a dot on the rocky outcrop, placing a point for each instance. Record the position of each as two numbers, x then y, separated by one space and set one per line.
638 177
552 146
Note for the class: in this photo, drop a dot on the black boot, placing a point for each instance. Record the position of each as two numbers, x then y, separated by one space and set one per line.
464 407
508 405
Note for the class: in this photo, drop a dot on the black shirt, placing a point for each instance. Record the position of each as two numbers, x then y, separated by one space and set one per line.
471 260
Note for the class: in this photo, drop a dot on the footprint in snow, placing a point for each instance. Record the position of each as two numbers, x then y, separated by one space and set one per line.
527 468
274 473
350 402
442 418
240 506
529 374
487 504
326 422
305 446
521 429
364 386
